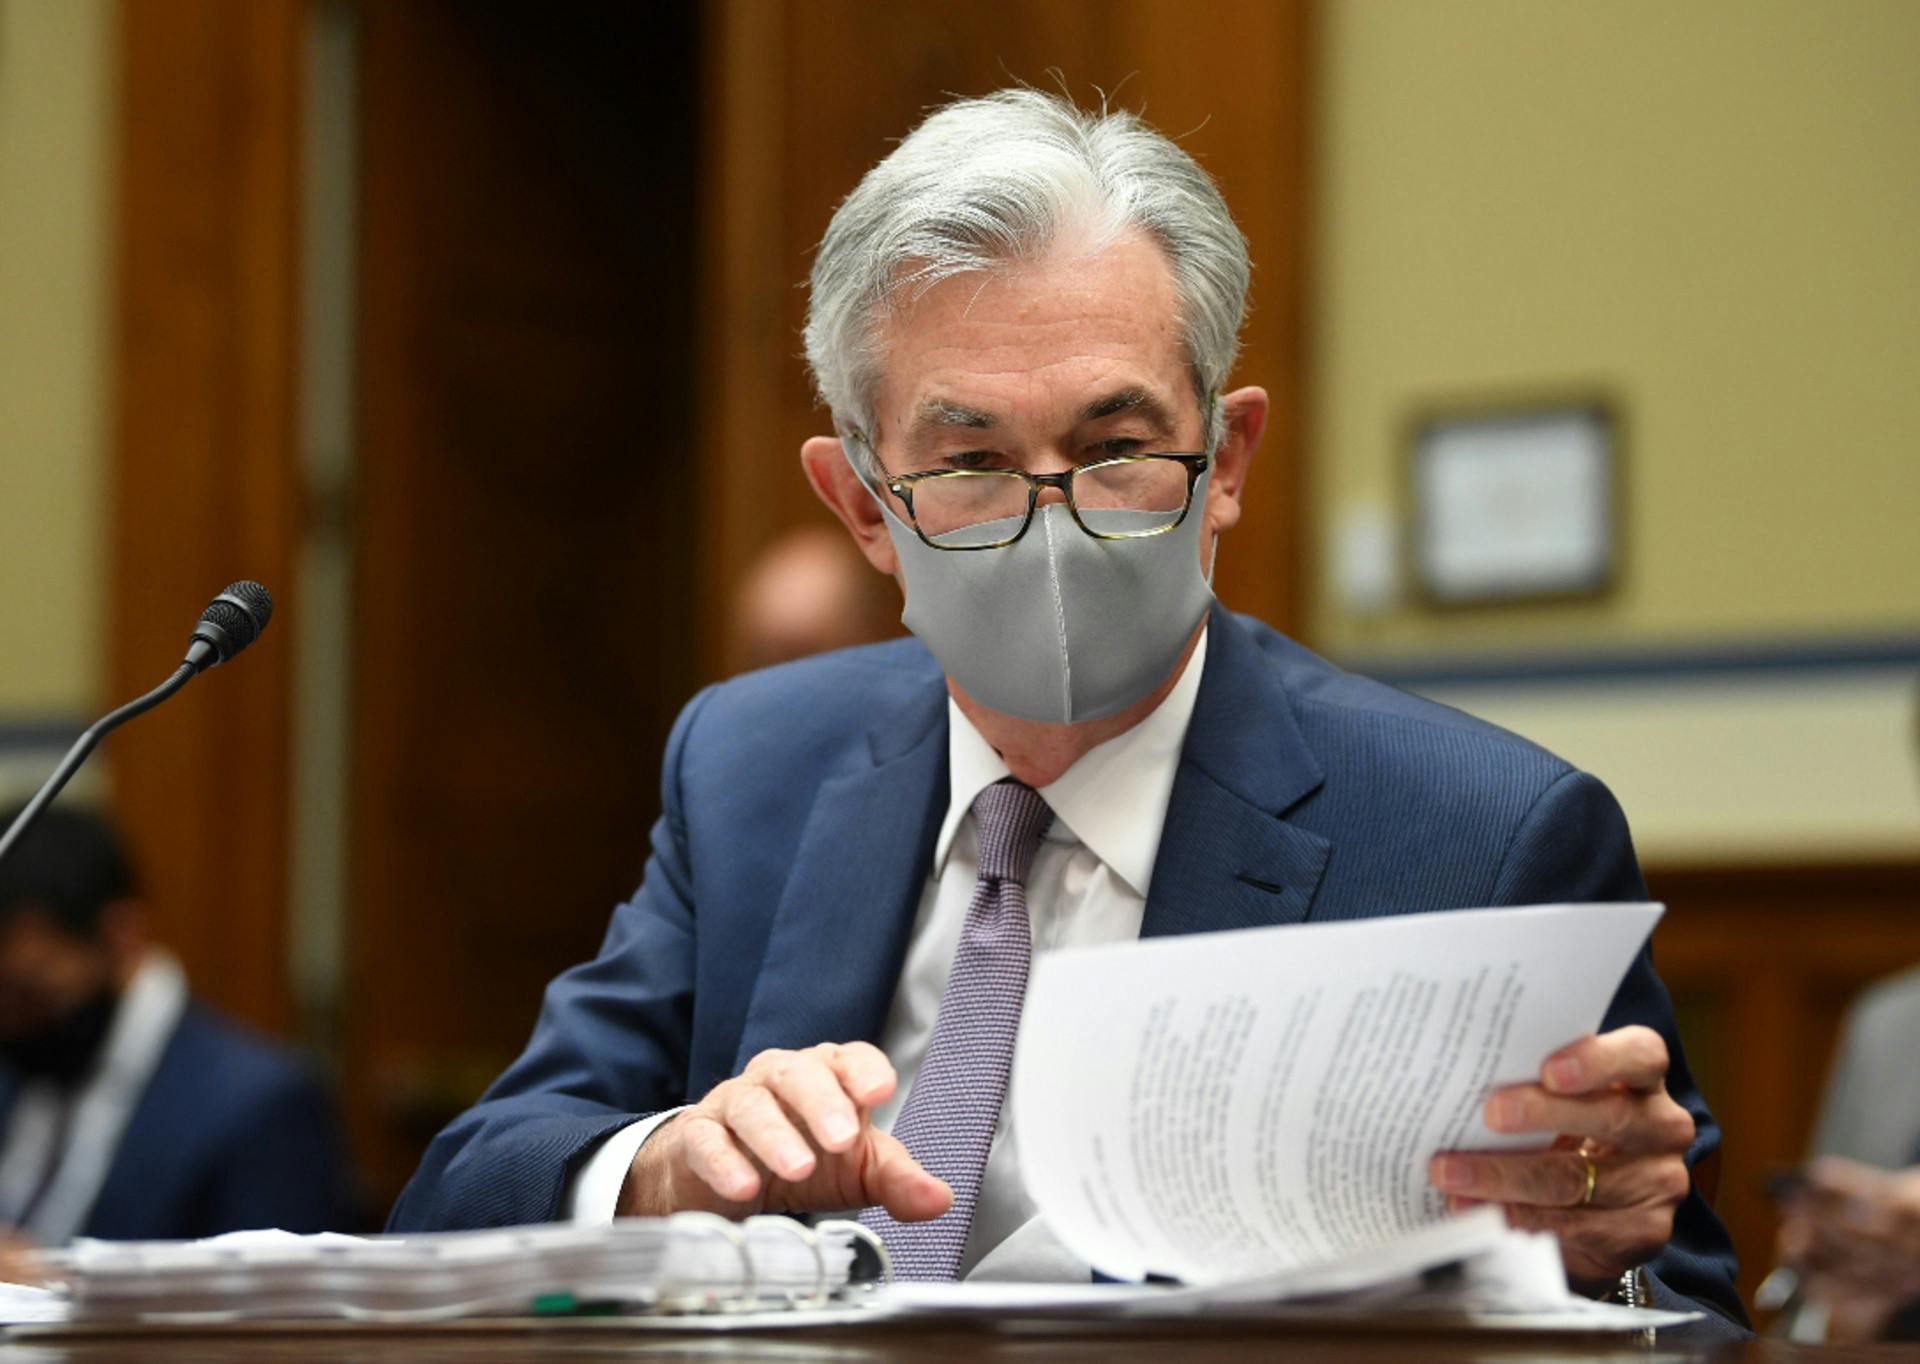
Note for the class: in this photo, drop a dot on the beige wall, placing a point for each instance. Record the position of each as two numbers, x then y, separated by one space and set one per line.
1708 211
55 93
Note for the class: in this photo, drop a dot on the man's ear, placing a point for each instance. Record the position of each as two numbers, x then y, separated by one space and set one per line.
1246 412
835 483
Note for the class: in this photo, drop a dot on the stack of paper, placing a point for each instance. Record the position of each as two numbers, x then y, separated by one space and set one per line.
684 1263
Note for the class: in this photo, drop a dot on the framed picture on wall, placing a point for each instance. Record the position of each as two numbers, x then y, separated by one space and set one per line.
1515 503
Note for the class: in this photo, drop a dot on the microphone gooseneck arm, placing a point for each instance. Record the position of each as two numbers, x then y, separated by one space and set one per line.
231 622
84 746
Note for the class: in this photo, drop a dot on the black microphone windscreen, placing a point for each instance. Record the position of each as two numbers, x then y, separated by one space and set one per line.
239 626
255 599
232 621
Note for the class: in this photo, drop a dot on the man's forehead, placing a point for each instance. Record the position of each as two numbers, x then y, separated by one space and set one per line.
1083 326
1136 398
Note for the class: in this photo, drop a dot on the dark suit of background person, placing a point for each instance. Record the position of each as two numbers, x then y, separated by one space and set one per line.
218 1129
1303 794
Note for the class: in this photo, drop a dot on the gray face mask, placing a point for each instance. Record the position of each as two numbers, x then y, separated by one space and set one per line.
1057 626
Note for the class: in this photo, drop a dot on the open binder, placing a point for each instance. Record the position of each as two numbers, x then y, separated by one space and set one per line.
687 1263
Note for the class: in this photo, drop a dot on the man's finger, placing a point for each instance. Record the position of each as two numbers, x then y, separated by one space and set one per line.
1634 1057
865 1072
896 1181
1552 1179
1558 1179
760 1124
715 1160
813 1092
1634 1124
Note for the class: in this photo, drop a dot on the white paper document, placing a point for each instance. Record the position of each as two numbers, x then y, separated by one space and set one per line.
1255 1103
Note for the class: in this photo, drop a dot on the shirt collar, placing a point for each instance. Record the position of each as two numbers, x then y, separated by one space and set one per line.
1114 799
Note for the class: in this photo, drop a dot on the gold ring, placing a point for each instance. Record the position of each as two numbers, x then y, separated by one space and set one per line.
1593 1177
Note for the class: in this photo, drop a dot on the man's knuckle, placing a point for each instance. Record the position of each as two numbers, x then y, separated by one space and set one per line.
1573 1182
749 1108
1651 1228
698 1145
1622 1118
1673 1126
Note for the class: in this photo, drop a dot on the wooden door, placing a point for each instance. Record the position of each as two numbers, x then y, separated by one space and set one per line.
525 520
203 476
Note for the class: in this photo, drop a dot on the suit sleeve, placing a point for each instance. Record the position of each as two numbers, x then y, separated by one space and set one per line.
1573 846
610 1046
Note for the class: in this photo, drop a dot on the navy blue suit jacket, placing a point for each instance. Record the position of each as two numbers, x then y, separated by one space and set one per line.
231 1133
801 806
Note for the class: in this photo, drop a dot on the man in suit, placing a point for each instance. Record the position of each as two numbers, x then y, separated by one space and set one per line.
1022 321
127 1111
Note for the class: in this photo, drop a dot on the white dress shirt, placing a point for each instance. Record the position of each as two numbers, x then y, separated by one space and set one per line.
67 1140
1088 884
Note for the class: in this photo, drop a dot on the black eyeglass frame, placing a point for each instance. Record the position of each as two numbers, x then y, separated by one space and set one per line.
902 485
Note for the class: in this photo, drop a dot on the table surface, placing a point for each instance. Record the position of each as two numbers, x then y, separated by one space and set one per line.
898 1344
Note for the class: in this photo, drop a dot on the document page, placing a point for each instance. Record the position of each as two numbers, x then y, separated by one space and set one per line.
1223 1105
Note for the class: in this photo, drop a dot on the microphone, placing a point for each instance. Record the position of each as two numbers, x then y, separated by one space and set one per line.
231 622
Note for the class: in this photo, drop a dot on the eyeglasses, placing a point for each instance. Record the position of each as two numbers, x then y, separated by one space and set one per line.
1128 497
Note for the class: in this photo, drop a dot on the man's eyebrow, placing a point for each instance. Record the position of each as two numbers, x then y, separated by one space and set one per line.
1130 399
940 412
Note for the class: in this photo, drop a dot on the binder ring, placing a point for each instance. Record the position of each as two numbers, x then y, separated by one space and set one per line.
868 1237
820 1293
720 1226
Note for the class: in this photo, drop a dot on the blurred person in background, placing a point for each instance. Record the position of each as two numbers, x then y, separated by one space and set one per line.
127 1110
1850 1227
1851 1234
808 591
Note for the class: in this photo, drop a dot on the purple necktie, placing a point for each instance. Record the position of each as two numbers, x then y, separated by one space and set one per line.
948 1120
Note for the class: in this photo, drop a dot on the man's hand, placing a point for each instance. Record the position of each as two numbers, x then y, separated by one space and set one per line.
791 1133
1606 1096
1854 1234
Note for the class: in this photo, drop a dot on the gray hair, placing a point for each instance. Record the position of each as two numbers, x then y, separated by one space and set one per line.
992 181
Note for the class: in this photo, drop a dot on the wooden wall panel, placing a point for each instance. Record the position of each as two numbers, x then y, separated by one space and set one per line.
202 477
803 98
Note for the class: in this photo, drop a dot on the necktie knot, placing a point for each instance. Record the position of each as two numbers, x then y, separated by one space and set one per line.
1012 819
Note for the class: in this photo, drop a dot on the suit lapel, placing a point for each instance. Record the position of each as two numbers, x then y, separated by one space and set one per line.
840 933
1228 858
